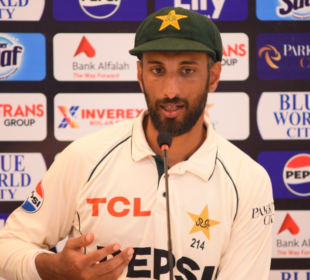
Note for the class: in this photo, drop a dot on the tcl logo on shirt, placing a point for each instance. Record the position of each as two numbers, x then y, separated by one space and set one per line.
118 206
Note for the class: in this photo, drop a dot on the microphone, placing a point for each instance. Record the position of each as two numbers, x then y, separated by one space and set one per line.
164 140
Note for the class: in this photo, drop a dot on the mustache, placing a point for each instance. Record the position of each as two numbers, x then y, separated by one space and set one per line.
172 100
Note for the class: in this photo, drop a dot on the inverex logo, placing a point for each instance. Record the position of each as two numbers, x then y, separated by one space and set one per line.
284 115
23 117
94 10
229 114
19 174
26 10
93 57
291 234
235 62
22 57
289 173
283 9
283 56
214 9
77 115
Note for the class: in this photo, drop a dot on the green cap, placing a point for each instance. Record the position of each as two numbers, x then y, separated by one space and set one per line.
178 30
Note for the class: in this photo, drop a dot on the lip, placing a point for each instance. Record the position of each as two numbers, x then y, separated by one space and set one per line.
174 113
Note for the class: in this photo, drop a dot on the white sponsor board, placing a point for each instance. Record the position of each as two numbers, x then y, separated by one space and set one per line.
23 117
284 115
291 234
94 57
289 275
77 115
229 113
25 10
20 174
235 61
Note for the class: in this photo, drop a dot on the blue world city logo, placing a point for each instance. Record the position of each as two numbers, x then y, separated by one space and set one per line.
10 56
100 9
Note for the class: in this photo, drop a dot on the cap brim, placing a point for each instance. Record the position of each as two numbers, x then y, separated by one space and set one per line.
172 45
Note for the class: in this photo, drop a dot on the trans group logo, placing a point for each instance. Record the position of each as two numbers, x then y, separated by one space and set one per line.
100 10
283 9
25 10
19 173
296 175
291 234
77 115
289 173
284 115
213 9
283 56
22 57
94 57
23 117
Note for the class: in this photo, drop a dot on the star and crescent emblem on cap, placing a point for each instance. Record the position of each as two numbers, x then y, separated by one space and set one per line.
202 222
170 19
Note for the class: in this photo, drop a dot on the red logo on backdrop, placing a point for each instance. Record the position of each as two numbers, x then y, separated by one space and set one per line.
85 47
289 224
136 209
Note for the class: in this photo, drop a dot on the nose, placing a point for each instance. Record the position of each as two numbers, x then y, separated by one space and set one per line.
171 86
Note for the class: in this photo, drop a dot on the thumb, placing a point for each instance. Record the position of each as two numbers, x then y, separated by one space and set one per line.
82 241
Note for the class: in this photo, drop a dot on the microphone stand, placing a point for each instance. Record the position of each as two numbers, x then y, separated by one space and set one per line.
170 259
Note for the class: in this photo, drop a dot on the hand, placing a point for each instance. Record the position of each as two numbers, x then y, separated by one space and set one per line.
72 263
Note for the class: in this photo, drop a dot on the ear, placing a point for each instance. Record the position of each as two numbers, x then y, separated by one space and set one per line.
139 74
215 74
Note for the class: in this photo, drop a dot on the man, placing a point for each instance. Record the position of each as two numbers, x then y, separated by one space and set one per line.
107 190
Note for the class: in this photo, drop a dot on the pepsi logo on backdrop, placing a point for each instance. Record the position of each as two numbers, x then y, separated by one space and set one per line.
35 200
100 9
214 9
25 10
19 173
296 175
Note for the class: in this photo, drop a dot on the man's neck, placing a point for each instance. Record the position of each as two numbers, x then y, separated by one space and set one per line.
182 146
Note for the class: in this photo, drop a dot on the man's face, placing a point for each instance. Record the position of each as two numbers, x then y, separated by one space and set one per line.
176 88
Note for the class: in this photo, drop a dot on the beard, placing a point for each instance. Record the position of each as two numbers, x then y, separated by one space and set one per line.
172 125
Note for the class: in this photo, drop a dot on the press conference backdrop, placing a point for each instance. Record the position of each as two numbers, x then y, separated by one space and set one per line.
65 72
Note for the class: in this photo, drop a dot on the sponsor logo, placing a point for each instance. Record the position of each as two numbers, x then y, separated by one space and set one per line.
231 122
284 115
235 61
118 211
92 57
3 218
202 222
22 57
283 9
35 200
89 113
19 173
266 212
289 275
296 175
283 56
213 9
23 117
26 10
289 173
291 234
100 10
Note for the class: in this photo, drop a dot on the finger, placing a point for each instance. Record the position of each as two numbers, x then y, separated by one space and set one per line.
115 273
82 241
121 260
98 255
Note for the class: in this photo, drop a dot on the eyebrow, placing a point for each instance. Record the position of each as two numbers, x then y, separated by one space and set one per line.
182 63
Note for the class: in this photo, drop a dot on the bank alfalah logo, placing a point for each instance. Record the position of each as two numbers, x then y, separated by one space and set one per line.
202 222
271 54
290 225
85 47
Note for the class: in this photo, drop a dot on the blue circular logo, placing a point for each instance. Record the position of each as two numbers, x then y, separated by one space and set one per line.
100 10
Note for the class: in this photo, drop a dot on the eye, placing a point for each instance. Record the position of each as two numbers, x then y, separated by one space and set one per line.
188 71
157 70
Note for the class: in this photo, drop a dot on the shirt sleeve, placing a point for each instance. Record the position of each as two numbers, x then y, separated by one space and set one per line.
248 254
26 234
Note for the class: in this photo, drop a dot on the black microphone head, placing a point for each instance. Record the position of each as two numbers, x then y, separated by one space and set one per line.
164 138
